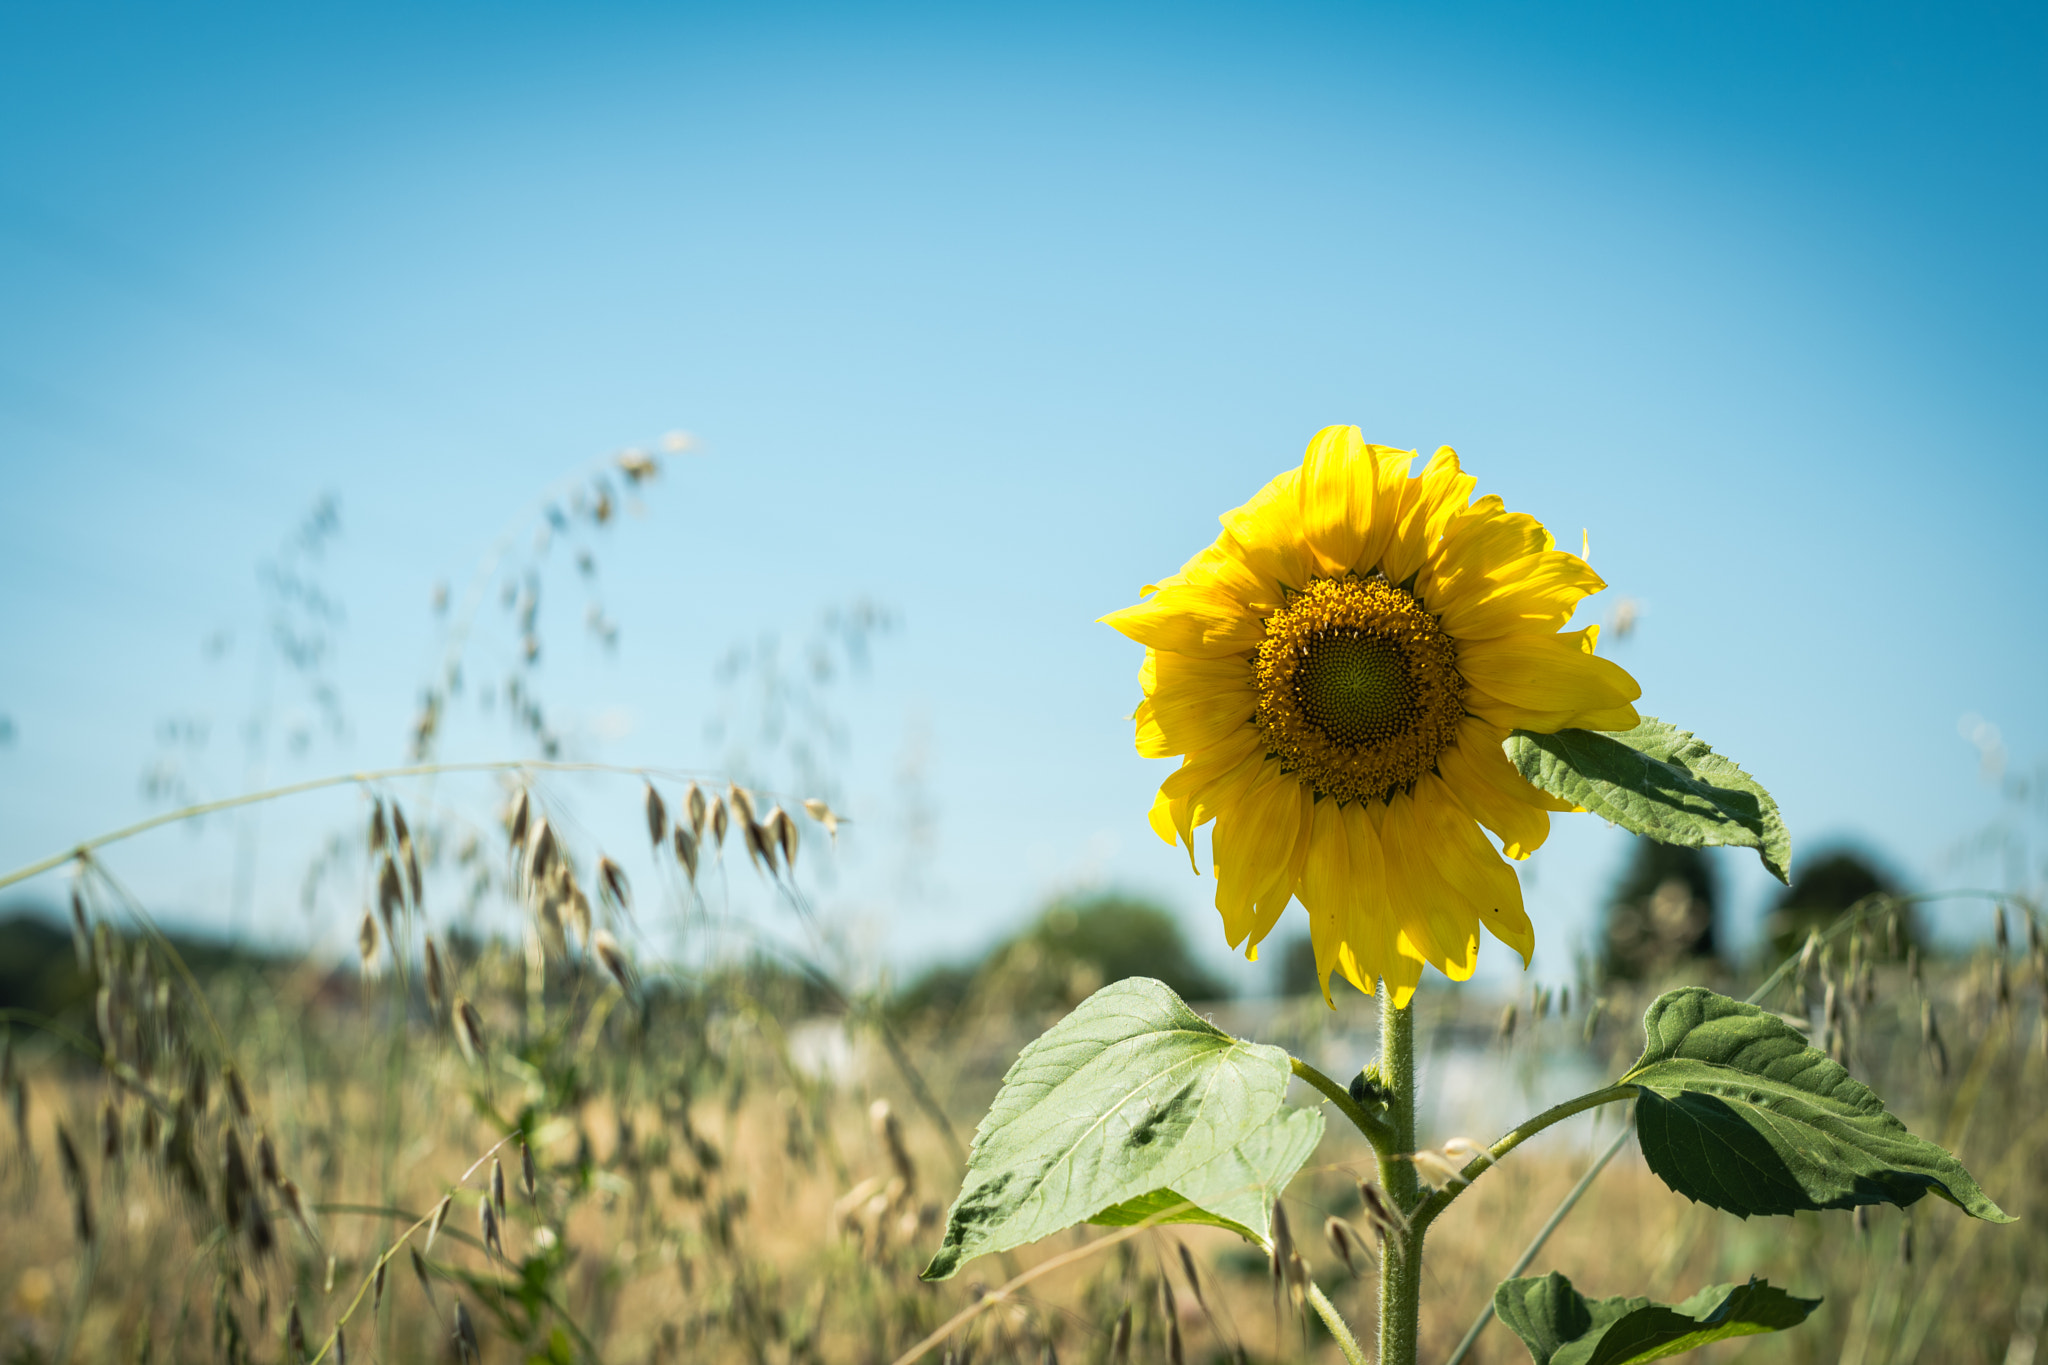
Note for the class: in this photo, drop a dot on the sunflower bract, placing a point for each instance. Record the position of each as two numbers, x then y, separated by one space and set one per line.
1337 673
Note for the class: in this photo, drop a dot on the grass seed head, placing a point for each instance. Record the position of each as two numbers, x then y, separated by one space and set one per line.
75 1181
782 833
1120 1338
110 1131
694 809
613 959
759 851
266 1160
1344 1242
377 1285
540 859
295 1334
379 835
390 895
1506 1030
716 822
579 912
81 935
498 1185
2000 934
419 1270
657 817
238 1095
1379 1212
611 882
686 851
434 1228
437 981
487 1224
340 1345
526 1171
366 944
465 1333
741 800
825 816
469 1030
516 820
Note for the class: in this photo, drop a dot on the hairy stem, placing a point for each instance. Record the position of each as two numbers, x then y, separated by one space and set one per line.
1557 1113
1536 1243
1376 1132
1340 1329
1401 1265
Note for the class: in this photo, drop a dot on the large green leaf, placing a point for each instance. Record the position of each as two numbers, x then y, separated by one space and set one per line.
1560 1326
1237 1189
1131 1097
1660 782
1737 1111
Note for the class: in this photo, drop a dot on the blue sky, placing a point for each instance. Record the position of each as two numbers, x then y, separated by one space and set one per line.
985 315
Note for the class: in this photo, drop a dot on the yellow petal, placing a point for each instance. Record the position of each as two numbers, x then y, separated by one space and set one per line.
1195 703
1210 782
1222 565
1253 849
1428 502
1160 817
1350 492
1473 548
1546 682
1275 897
1186 618
1330 892
1337 497
1534 594
1493 793
1436 922
1471 870
1265 533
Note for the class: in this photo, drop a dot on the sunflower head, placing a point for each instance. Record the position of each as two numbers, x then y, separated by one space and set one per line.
1337 672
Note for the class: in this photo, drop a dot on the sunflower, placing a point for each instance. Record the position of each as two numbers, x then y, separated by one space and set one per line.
1337 673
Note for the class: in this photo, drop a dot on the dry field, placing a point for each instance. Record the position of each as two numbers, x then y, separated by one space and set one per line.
727 1167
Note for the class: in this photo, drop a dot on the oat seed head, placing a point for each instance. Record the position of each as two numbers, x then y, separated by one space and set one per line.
469 1030
782 833
686 851
657 817
613 959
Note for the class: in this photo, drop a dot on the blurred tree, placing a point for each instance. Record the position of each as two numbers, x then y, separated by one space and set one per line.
1074 947
1823 886
1661 912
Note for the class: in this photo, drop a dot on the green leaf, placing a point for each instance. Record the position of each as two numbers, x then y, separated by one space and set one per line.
1660 782
1133 1096
1560 1326
1737 1111
1237 1189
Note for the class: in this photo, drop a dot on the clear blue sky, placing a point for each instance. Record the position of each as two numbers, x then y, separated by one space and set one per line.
985 313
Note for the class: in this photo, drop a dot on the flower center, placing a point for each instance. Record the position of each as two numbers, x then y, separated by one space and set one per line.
1359 689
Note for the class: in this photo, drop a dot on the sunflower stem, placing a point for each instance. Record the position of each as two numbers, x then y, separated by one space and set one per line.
1377 1133
1340 1330
1401 1266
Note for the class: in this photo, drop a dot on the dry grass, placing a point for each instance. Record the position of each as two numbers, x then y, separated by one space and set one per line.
701 1195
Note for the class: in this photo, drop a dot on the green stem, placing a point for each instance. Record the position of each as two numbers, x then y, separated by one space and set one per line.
1557 1113
1536 1244
1340 1329
1401 1261
1377 1133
